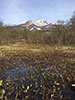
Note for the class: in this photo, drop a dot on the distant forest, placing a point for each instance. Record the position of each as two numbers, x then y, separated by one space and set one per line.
63 34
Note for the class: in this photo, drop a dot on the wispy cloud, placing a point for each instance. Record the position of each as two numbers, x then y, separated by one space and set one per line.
17 11
12 13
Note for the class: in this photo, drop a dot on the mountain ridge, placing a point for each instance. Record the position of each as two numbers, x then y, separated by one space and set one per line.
35 25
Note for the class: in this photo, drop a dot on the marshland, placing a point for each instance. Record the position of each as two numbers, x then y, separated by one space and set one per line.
37 65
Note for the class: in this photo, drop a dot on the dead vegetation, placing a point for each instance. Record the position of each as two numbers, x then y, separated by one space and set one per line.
50 70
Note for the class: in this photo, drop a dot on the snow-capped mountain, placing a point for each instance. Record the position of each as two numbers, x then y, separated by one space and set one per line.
40 23
35 25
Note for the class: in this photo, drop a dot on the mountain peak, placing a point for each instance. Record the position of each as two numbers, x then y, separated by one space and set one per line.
40 22
36 25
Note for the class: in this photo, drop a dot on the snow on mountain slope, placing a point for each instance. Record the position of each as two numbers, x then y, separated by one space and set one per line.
40 23
35 25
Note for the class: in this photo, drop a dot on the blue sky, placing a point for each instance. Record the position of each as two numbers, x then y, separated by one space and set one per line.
19 11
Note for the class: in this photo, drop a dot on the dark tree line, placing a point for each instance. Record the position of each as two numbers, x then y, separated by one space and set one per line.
63 34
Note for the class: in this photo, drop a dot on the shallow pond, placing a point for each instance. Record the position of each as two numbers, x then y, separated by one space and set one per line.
35 83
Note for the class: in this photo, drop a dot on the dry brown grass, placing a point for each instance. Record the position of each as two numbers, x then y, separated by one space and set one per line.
31 53
38 55
38 48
